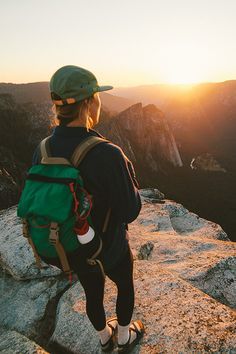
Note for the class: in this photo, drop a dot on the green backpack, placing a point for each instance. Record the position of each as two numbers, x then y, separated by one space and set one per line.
53 201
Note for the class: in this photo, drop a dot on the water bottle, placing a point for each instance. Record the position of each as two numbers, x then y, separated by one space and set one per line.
84 231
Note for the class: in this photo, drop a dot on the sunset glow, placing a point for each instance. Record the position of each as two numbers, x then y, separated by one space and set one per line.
184 65
124 43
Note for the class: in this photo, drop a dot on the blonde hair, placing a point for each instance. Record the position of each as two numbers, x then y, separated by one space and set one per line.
63 115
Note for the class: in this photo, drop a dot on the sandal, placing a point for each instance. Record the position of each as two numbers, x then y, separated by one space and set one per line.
139 330
109 345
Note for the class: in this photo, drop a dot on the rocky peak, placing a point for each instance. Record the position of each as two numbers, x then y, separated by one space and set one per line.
145 136
131 118
151 109
134 110
206 162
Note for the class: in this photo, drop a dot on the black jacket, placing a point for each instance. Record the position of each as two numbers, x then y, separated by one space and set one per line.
109 177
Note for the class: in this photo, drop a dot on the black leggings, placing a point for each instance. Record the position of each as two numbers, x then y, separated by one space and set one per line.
93 284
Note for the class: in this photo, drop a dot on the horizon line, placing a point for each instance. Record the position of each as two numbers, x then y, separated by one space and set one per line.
135 86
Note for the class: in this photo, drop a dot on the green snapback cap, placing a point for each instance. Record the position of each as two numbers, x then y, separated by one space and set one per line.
71 84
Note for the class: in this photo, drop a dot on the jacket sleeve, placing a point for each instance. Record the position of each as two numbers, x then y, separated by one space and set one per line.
123 194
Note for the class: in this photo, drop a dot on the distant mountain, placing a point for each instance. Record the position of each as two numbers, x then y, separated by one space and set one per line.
162 94
146 138
202 117
143 133
38 92
147 94
199 124
203 120
21 128
115 104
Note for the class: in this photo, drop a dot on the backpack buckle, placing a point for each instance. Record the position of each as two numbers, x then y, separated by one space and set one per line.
54 233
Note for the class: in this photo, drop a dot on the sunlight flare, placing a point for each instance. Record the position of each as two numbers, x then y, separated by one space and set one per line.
184 64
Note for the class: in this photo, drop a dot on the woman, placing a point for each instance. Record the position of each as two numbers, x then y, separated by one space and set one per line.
109 177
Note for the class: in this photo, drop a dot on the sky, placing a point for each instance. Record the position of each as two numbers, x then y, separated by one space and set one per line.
123 42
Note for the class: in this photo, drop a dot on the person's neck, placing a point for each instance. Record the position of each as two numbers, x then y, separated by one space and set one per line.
75 124
79 122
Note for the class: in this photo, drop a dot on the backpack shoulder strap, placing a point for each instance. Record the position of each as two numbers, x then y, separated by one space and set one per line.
84 147
80 152
44 147
45 154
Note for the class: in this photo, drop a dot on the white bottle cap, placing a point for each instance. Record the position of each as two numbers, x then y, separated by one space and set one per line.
86 238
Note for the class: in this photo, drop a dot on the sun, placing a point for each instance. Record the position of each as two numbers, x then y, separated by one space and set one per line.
181 74
183 71
183 64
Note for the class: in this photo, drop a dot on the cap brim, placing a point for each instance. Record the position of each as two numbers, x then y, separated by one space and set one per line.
104 88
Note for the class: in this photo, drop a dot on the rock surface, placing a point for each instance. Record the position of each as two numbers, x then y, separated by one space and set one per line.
179 270
206 162
28 296
16 255
12 342
195 249
178 317
29 307
185 276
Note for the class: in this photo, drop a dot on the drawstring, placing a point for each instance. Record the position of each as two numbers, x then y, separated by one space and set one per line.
93 260
76 202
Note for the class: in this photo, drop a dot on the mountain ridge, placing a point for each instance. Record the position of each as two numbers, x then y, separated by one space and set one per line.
38 92
205 128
